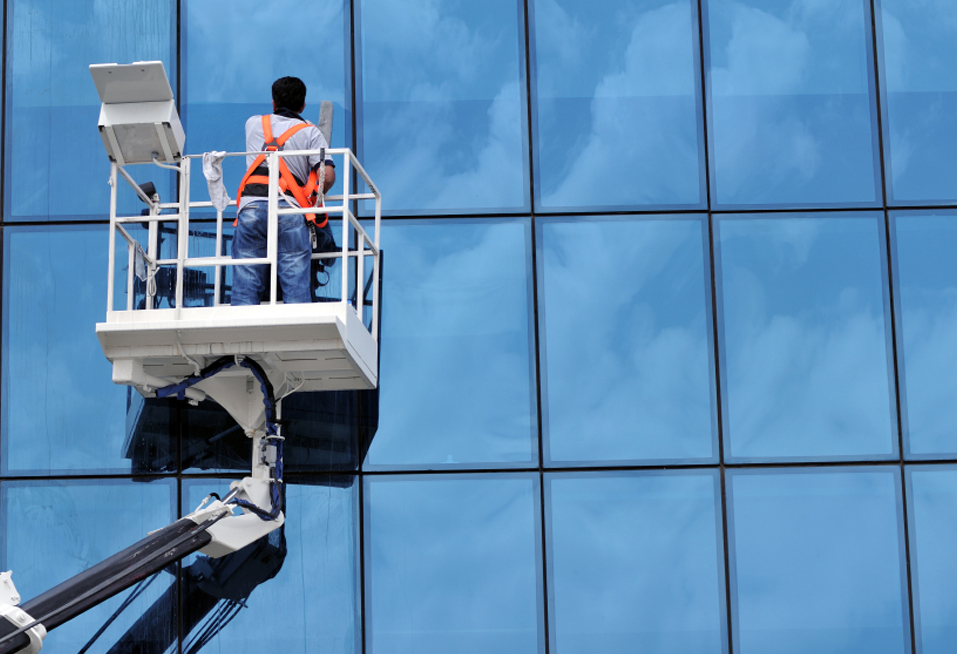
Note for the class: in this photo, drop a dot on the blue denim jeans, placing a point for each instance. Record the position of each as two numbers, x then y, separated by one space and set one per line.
251 283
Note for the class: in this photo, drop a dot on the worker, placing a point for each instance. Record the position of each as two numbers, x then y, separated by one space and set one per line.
285 129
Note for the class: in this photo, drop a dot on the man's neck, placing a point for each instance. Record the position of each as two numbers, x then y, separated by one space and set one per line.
287 113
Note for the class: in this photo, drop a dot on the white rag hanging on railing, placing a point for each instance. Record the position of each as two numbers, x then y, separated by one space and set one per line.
213 171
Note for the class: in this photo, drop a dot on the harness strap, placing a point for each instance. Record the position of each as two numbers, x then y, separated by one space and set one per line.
305 195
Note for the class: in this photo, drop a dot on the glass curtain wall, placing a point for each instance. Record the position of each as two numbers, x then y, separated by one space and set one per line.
668 340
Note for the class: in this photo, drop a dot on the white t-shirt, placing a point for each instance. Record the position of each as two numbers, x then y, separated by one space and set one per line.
309 138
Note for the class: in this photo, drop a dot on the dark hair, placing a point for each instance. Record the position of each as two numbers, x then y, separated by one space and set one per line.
289 93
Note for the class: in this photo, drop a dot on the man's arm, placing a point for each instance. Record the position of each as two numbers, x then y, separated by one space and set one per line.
330 177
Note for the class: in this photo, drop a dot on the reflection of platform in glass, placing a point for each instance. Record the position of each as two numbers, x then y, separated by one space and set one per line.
327 431
317 346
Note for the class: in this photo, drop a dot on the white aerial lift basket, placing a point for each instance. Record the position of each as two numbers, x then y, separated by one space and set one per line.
328 345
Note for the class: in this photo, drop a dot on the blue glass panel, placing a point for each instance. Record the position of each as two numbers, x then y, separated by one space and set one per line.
618 104
918 44
60 408
805 337
817 562
56 165
792 103
925 275
635 563
442 122
55 530
453 564
456 364
299 593
932 502
627 352
235 49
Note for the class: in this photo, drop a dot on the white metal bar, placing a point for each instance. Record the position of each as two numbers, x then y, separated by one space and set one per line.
182 236
126 235
217 270
360 276
136 188
115 146
161 135
272 230
111 265
377 263
130 264
346 188
206 262
153 249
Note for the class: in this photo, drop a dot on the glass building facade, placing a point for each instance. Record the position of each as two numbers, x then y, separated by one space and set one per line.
668 342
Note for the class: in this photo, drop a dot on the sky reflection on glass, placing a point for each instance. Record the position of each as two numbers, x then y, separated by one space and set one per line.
817 562
635 563
56 163
932 503
55 530
452 564
456 370
626 354
926 293
791 103
618 103
229 78
804 337
443 119
312 604
60 408
919 83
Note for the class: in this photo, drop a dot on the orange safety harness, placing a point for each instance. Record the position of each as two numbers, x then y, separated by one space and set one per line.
306 195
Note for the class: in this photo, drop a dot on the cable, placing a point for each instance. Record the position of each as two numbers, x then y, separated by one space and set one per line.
162 552
272 430
140 587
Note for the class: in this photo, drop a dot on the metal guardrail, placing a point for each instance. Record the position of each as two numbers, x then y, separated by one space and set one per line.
366 246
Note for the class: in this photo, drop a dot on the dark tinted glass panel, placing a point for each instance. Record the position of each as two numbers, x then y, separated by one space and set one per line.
817 562
455 366
55 530
452 564
295 591
443 119
805 337
61 409
635 563
627 352
792 105
229 72
919 82
932 500
618 118
926 277
56 165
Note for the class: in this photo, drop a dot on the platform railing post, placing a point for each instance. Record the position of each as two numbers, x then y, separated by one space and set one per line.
182 244
153 250
377 263
272 229
130 269
218 269
346 194
111 264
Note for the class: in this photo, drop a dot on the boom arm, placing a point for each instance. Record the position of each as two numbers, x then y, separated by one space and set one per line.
251 510
104 580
